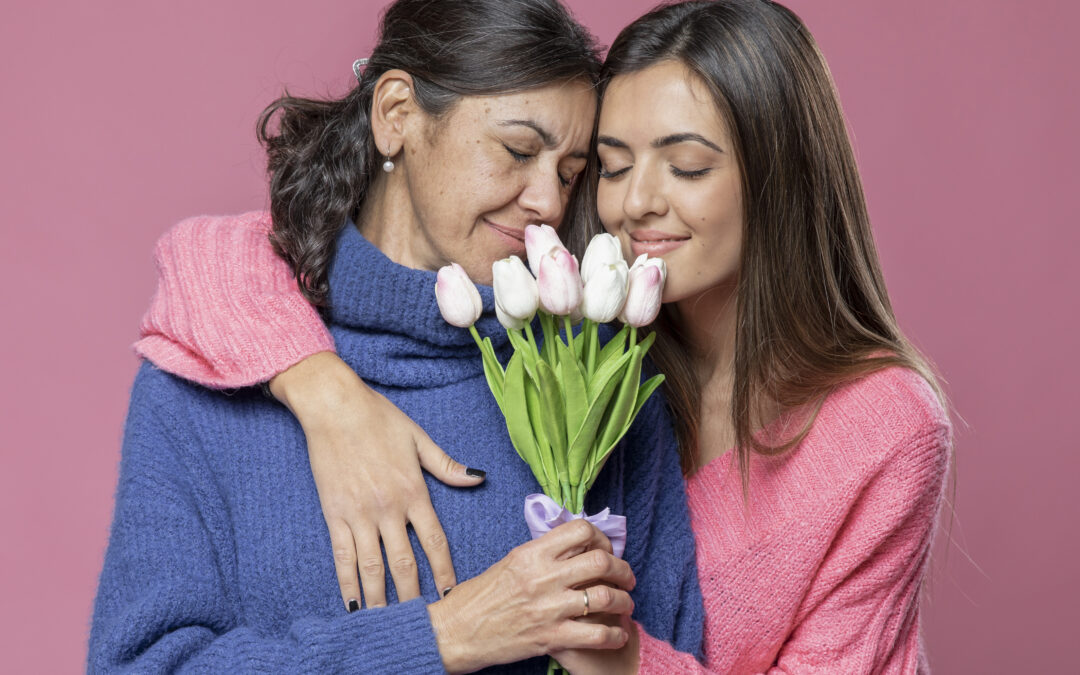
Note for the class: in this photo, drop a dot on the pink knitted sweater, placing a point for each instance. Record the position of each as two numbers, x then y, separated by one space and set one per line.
820 573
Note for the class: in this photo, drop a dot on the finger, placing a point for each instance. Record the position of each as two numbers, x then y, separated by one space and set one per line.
443 466
581 635
432 538
573 538
372 572
597 566
341 541
400 558
601 600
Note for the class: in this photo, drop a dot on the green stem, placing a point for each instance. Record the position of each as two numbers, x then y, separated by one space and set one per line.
547 324
569 335
592 337
476 336
532 339
633 337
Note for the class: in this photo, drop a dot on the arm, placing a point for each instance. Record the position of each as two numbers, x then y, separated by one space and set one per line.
861 612
228 313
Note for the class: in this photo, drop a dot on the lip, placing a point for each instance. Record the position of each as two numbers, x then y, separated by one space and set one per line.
655 242
514 238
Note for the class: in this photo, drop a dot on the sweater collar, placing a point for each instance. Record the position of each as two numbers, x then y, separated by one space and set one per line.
376 297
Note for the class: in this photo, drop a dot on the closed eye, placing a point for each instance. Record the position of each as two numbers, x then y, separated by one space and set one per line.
518 156
679 173
612 174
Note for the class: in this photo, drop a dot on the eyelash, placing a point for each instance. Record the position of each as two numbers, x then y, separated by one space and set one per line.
678 173
523 158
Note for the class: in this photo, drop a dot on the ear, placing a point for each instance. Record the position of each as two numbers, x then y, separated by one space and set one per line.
392 103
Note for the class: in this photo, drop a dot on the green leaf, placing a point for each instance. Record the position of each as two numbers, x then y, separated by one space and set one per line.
554 416
614 425
646 390
616 345
493 372
646 343
610 368
584 441
543 455
516 411
572 379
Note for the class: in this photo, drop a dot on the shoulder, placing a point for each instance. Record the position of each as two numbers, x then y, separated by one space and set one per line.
198 230
888 412
170 400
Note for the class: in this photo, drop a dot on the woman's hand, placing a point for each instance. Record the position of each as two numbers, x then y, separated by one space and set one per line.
526 604
622 661
366 456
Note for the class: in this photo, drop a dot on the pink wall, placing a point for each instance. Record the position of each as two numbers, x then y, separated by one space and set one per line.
121 117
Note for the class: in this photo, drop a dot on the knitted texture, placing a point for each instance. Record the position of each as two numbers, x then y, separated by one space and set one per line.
822 572
212 266
219 559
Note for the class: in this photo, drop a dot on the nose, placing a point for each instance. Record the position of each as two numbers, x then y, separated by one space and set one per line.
543 196
643 196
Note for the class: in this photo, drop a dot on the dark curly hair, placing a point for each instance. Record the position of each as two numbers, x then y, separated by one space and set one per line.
321 157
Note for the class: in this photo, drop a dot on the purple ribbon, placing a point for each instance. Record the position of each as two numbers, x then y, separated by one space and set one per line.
543 514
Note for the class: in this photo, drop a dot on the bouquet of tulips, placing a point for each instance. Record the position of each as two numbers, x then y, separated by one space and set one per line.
567 399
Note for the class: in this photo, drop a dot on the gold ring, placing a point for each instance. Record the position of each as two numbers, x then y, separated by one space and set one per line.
586 594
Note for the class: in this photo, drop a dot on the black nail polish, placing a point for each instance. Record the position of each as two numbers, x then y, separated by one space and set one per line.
475 472
353 605
446 591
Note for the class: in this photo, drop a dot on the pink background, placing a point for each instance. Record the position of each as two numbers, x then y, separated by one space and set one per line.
119 118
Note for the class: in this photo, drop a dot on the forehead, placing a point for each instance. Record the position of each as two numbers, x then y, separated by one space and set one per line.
660 100
566 110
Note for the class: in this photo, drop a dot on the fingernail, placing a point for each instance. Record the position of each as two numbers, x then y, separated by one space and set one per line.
446 591
353 605
476 473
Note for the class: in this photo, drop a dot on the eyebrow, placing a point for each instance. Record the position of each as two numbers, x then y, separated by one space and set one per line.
673 139
546 137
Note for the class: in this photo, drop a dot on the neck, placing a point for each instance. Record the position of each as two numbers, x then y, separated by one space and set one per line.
388 220
709 322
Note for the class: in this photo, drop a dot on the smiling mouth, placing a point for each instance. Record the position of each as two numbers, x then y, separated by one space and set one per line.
654 237
508 231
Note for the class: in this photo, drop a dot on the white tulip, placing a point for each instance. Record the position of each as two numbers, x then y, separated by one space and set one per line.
458 299
604 249
516 293
605 291
508 322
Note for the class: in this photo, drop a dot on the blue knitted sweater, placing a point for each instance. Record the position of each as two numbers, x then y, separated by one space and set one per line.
219 558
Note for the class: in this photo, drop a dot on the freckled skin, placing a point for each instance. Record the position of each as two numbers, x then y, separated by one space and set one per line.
458 176
707 209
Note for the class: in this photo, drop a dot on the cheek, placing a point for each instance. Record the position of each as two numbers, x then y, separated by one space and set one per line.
609 206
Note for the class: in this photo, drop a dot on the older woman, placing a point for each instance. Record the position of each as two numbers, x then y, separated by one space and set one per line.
218 558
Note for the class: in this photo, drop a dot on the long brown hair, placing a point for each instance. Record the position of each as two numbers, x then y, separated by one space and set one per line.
812 309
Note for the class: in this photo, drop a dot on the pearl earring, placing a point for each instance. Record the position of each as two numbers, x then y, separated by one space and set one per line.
388 166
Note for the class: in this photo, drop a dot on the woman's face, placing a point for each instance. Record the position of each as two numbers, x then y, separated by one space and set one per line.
492 166
670 184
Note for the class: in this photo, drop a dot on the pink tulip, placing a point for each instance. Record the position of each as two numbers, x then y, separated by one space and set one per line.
559 282
646 288
539 240
458 299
